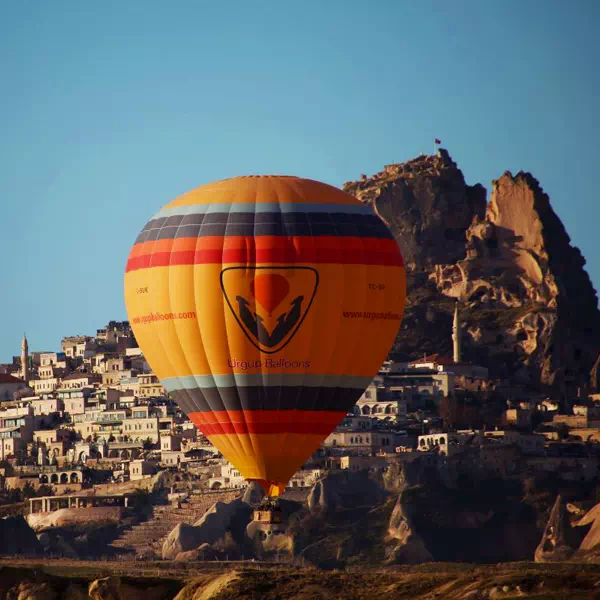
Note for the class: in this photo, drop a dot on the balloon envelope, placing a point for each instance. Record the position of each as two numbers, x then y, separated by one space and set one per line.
265 305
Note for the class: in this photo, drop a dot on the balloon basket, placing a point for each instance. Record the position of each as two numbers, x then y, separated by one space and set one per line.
268 512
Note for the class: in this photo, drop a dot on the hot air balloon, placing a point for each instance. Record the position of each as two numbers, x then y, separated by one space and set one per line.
265 305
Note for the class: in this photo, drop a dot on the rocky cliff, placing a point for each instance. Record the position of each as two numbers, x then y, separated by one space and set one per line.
529 311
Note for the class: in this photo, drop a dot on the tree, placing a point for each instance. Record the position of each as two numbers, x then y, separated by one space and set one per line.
28 491
45 490
563 431
142 499
14 496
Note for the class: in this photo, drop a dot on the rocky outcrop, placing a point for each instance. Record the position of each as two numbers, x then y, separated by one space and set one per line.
592 539
37 584
17 538
69 517
62 548
116 588
323 496
203 552
528 309
209 529
267 539
427 205
555 545
33 590
253 494
344 490
409 547
195 590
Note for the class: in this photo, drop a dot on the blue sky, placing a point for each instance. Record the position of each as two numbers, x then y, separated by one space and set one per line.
109 110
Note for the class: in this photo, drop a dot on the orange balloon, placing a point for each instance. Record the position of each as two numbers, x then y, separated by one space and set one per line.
265 305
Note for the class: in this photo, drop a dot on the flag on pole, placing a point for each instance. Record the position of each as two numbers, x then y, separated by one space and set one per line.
438 142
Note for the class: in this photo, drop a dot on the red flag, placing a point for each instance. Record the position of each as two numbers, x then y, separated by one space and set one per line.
438 141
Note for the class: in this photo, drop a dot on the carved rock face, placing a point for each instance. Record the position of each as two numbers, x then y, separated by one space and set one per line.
523 289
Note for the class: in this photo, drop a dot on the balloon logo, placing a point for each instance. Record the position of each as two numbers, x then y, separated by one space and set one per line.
272 328
270 290
266 306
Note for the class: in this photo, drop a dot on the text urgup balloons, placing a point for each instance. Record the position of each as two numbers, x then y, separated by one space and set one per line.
265 305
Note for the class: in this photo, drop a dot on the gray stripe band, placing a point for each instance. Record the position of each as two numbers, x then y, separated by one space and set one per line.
266 380
260 207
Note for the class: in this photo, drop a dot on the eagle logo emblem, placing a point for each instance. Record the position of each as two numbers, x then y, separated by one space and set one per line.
269 303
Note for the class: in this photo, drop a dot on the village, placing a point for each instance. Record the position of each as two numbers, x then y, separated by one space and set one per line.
89 425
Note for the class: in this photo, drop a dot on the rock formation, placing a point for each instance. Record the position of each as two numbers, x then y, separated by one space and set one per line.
528 309
268 539
116 588
207 530
556 545
322 496
70 517
409 547
342 490
592 539
17 538
253 494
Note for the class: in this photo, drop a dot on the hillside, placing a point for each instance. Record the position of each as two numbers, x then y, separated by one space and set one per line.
105 581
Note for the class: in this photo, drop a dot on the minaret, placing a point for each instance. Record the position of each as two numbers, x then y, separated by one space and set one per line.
25 360
42 455
456 335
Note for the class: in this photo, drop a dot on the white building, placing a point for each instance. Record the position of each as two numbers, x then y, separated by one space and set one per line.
230 478
382 402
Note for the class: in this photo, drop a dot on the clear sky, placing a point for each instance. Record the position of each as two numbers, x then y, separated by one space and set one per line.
109 110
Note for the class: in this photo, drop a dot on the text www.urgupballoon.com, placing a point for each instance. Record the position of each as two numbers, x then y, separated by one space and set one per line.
372 315
150 318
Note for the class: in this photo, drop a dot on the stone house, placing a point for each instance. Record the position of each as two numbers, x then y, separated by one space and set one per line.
141 469
9 385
